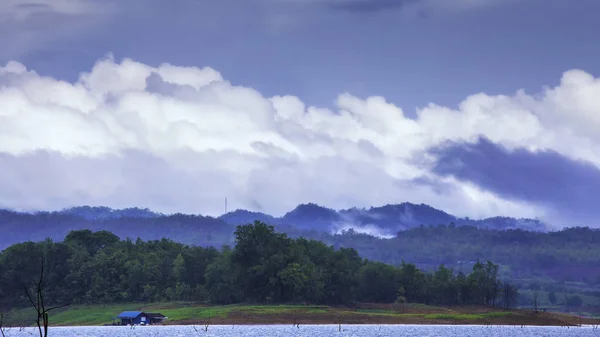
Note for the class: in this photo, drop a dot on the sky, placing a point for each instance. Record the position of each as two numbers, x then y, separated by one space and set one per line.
476 107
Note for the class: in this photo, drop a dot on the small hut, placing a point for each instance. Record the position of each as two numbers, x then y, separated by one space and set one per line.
133 318
140 318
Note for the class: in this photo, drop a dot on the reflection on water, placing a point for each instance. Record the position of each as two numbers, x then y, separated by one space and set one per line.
313 331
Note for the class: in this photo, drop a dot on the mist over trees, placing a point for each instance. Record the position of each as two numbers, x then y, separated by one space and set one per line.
264 266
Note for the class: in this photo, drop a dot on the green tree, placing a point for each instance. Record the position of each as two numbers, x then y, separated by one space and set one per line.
443 285
260 252
296 280
221 280
179 271
378 283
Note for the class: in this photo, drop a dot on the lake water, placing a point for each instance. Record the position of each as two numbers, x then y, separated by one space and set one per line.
314 331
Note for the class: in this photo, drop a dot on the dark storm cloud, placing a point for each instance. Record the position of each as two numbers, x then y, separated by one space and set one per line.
565 187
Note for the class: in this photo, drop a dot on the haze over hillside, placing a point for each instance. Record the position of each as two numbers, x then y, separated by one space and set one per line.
379 221
383 221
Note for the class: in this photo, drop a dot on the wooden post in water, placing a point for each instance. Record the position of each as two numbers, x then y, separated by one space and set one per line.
339 321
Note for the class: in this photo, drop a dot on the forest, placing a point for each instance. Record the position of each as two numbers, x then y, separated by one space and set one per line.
263 266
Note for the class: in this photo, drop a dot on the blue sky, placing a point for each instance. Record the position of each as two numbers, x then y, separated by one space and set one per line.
412 53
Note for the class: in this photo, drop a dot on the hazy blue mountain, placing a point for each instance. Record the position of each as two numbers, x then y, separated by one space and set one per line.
242 216
501 222
307 220
398 217
100 212
388 218
311 216
18 227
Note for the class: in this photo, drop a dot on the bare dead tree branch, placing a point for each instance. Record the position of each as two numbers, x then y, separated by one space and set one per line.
42 319
3 329
57 307
295 318
206 325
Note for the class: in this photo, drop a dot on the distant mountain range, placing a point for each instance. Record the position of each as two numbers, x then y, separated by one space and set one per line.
311 216
306 219
386 219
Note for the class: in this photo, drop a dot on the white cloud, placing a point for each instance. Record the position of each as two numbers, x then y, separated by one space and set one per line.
182 139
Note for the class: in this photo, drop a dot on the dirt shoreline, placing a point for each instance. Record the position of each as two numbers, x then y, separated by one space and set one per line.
515 319
199 314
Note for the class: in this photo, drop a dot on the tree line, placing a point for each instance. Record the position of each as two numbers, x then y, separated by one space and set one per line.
569 255
263 266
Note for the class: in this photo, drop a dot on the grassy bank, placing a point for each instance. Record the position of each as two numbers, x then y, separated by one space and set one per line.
187 313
